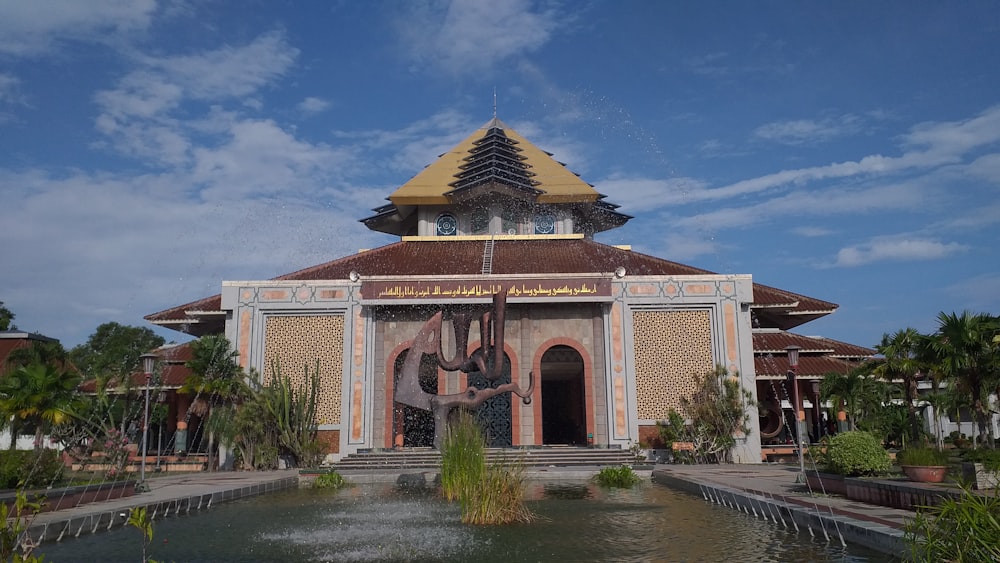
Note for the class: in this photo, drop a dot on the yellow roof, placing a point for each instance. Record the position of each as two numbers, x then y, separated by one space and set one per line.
557 183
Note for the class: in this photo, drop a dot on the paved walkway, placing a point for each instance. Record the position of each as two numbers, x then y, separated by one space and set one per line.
168 494
772 492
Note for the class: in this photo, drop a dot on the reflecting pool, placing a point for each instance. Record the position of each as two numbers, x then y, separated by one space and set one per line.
577 522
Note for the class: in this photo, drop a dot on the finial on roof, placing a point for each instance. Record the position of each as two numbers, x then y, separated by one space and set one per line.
494 102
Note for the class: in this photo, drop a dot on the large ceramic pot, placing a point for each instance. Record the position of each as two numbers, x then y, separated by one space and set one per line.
925 473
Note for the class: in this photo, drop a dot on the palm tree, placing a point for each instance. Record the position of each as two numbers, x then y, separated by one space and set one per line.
216 377
900 362
962 350
41 394
844 391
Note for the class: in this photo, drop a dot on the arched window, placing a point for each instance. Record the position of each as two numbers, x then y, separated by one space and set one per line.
446 225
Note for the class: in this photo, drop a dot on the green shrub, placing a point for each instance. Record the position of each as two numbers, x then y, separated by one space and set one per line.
922 456
621 477
331 480
30 469
963 529
856 453
989 458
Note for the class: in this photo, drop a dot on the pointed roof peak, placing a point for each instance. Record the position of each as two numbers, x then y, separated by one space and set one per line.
552 180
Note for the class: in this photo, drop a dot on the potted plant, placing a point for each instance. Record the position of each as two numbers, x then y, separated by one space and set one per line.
923 464
981 468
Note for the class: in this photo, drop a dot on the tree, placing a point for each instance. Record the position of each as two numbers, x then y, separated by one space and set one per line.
40 352
845 390
112 352
6 318
39 394
900 362
962 350
715 414
216 378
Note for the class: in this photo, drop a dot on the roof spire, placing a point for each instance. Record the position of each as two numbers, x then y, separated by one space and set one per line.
494 102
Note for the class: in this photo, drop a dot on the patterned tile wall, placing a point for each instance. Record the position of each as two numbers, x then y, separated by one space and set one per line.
299 341
670 348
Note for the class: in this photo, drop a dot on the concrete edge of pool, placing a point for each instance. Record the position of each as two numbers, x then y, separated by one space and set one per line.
758 491
819 520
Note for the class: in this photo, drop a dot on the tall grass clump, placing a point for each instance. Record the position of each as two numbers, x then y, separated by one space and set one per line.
463 457
621 476
962 529
491 494
499 498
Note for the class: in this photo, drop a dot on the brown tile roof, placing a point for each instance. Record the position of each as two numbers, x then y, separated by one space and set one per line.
811 367
519 256
172 371
767 341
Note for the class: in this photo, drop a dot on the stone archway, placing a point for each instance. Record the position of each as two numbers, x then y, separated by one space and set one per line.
564 417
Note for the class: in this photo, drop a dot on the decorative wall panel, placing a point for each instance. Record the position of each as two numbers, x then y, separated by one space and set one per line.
670 348
296 342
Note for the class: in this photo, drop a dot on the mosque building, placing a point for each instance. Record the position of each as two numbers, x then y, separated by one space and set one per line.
608 338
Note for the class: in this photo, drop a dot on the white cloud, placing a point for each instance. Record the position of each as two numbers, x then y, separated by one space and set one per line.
9 95
260 158
852 200
313 105
986 167
228 72
805 131
812 232
896 248
463 36
978 293
648 193
140 115
711 64
682 247
942 143
35 26
8 88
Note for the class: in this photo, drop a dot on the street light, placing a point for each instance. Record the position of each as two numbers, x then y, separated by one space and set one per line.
148 362
793 371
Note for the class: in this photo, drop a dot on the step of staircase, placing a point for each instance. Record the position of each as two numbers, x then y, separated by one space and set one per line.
429 459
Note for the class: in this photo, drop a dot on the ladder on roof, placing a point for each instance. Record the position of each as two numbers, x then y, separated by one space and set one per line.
488 257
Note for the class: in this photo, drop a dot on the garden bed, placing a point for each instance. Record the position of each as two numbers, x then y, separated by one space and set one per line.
905 495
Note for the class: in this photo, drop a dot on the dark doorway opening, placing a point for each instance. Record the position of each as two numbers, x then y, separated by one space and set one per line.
413 427
564 417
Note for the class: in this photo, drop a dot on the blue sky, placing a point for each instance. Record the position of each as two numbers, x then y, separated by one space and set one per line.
848 151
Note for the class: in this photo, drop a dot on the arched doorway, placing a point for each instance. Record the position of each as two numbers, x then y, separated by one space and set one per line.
564 417
413 427
494 415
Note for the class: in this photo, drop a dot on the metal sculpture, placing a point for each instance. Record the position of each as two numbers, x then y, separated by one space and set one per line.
488 359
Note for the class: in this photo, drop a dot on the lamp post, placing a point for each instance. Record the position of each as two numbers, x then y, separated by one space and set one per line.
792 374
148 361
818 430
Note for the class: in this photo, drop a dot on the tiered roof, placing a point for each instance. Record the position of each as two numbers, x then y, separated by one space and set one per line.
464 257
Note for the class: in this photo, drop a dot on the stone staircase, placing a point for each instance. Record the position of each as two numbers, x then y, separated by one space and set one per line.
427 459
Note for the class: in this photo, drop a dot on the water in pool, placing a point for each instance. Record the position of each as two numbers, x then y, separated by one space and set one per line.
382 522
